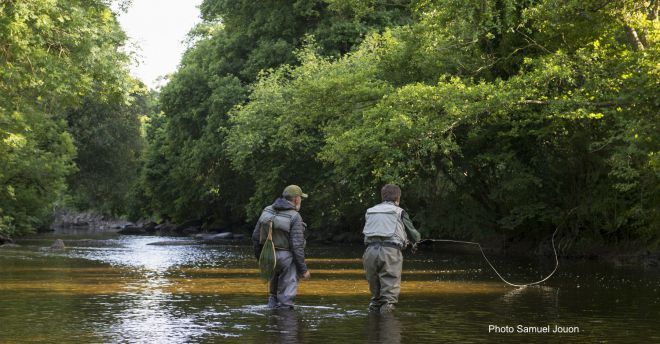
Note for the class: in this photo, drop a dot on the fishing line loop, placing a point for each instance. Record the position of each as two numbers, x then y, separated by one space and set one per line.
523 285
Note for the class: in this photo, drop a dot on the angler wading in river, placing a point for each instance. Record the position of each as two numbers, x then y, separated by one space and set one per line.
287 234
386 232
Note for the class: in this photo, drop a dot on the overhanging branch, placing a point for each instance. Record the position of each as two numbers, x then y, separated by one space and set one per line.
549 102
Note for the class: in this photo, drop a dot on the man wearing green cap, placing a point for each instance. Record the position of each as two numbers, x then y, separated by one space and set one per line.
387 231
289 240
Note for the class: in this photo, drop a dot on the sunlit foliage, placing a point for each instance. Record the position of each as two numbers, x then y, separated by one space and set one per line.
497 118
53 54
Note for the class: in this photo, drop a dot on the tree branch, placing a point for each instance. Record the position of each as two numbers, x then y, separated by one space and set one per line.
633 37
548 102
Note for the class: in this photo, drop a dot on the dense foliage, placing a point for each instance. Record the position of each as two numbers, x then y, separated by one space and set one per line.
61 74
498 118
188 170
109 144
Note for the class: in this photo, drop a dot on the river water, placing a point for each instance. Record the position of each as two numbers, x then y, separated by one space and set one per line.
121 289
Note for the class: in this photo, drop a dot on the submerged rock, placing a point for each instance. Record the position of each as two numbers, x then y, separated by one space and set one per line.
9 245
214 236
58 245
5 239
174 243
239 236
93 243
220 236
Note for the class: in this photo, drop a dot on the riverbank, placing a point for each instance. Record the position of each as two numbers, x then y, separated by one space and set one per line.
91 221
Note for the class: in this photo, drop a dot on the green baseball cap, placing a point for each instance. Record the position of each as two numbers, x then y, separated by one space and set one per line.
293 190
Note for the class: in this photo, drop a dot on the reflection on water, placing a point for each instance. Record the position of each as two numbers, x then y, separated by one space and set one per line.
285 325
385 328
137 253
123 290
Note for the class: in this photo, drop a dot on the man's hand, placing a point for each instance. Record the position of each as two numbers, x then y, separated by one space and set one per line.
307 275
413 249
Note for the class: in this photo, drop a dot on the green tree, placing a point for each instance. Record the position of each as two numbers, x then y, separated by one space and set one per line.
188 173
107 134
497 118
52 53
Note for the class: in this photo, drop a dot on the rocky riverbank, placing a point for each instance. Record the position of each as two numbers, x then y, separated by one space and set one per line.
200 231
194 228
5 240
86 221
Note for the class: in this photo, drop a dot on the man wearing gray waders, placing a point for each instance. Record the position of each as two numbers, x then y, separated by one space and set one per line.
386 232
288 238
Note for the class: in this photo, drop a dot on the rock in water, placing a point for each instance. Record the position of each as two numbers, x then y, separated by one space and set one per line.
132 230
150 227
190 230
239 236
5 239
221 236
9 246
165 228
58 245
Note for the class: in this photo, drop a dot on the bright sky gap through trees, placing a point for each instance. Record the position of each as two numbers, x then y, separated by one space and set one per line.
157 30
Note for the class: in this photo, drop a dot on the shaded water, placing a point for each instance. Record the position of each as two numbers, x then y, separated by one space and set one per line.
121 289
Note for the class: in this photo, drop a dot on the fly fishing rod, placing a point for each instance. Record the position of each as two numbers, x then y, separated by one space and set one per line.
554 249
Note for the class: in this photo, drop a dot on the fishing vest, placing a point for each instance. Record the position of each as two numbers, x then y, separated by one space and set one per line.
384 223
281 226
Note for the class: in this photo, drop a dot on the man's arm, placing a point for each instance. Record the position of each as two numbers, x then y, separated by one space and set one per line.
413 234
297 236
256 236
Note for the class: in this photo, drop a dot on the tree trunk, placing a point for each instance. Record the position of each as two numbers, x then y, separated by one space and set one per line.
634 38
